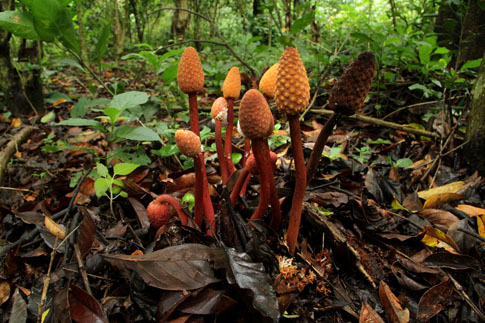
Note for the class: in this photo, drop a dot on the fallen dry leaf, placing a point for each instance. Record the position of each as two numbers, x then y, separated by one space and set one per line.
392 306
448 188
436 238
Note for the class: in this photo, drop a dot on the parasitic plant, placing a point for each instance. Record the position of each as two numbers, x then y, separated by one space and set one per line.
159 212
190 79
231 91
346 98
292 95
256 122
219 114
189 144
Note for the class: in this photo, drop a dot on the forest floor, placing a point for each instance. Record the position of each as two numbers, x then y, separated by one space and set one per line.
392 228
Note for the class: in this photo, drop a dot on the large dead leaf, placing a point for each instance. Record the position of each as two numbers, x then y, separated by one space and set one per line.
432 301
368 315
252 276
471 210
439 217
448 188
84 307
141 213
440 199
436 238
87 232
184 267
456 262
19 308
4 292
392 306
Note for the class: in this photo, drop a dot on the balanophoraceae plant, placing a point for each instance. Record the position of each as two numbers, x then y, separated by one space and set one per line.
267 84
231 91
190 79
219 114
159 212
257 124
189 144
292 94
346 98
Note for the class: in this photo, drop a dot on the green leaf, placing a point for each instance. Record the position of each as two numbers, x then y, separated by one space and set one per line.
136 133
471 64
170 73
301 23
152 59
53 20
118 182
123 194
101 187
18 23
236 157
112 113
102 43
189 199
49 117
167 150
79 122
82 106
124 168
404 162
128 100
171 53
102 170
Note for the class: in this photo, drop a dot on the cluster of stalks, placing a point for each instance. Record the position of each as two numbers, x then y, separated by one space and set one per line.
286 82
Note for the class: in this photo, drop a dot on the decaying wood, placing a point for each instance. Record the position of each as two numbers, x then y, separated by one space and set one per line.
11 148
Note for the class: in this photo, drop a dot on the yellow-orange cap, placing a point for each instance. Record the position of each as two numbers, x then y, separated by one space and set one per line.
267 83
232 84
292 91
255 117
219 109
190 76
188 143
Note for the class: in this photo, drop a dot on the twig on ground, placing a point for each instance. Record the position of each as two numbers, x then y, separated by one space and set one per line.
12 147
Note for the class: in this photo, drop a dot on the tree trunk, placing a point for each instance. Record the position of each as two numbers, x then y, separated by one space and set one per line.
180 19
461 28
475 150
19 101
140 27
118 31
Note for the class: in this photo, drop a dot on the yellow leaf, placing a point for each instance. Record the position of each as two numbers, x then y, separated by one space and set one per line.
448 188
481 225
54 228
471 210
16 122
60 101
4 292
437 238
44 315
440 199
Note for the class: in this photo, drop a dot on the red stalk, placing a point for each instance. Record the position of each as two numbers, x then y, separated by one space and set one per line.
300 186
316 154
220 151
228 138
263 161
247 150
194 126
194 113
241 180
206 200
169 199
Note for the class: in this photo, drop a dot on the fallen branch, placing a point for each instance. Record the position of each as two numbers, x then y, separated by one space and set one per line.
380 122
11 148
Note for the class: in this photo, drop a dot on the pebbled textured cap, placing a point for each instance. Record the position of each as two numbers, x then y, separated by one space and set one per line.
188 143
292 92
232 84
190 76
219 109
255 117
267 83
348 94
